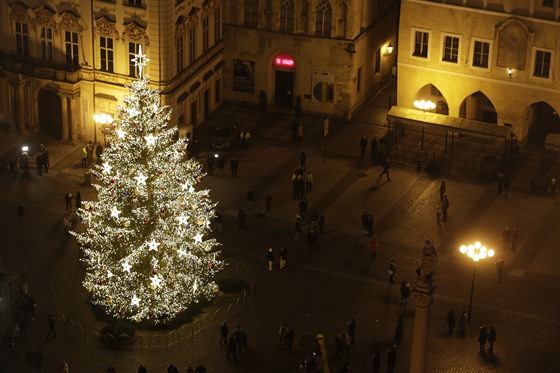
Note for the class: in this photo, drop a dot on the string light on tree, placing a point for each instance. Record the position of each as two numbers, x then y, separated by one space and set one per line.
148 227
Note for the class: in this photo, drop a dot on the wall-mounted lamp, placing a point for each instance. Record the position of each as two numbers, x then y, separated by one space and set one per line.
510 72
389 50
351 48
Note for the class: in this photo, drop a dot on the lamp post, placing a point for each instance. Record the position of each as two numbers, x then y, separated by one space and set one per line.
476 252
424 105
104 120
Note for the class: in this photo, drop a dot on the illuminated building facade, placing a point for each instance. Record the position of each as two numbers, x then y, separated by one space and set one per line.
494 61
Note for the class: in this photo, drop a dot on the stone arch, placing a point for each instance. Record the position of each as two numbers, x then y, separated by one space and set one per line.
50 112
430 92
477 106
543 119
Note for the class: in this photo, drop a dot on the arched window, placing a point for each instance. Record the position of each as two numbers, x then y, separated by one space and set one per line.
323 18
287 15
251 13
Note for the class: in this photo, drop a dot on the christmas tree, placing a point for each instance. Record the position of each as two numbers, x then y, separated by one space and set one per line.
145 247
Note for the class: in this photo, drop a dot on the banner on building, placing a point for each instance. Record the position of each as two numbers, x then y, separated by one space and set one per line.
244 76
323 86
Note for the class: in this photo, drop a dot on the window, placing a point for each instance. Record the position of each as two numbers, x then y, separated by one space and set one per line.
450 49
71 47
251 13
481 52
106 53
133 50
217 25
359 80
542 64
421 44
287 15
548 3
47 44
205 33
378 61
180 49
192 44
218 91
323 19
133 2
22 39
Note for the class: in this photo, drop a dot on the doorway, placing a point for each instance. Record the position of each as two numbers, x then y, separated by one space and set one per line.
284 89
50 113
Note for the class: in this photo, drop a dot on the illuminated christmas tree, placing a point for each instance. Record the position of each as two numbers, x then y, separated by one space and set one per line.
145 247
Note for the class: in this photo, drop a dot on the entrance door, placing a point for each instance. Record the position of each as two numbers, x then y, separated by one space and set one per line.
284 89
50 113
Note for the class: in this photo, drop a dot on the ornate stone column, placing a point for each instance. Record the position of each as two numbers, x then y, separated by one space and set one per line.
74 118
22 106
422 294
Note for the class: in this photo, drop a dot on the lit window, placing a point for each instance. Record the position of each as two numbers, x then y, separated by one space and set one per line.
323 18
542 64
481 52
451 49
421 44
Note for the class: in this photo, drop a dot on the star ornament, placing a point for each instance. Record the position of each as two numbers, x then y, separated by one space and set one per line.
156 280
198 238
141 179
126 267
107 167
150 139
140 61
120 133
133 112
115 213
182 219
135 301
182 252
153 245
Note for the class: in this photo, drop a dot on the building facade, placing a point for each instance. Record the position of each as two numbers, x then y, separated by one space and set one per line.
64 61
494 61
323 57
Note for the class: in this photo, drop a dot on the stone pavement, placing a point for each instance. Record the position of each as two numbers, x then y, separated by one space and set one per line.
318 291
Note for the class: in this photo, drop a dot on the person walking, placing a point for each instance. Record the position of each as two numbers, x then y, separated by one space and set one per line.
84 157
224 331
21 215
309 182
444 207
51 320
78 200
386 166
241 217
500 269
391 271
442 190
250 198
232 348
297 228
352 329
399 330
98 153
451 321
363 146
282 257
376 359
491 339
233 165
462 322
405 292
270 258
392 359
68 199
482 338
240 338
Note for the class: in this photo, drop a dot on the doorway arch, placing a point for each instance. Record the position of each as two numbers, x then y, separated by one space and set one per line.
50 113
477 106
544 120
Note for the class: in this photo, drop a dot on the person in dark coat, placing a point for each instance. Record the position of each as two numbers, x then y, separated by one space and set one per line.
405 292
363 146
78 200
500 269
386 166
270 258
392 270
232 347
444 207
234 164
491 339
241 216
482 337
392 359
224 331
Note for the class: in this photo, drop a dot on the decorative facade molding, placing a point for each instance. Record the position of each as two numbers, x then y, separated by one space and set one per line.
104 26
513 39
71 22
192 18
19 12
44 17
134 32
180 26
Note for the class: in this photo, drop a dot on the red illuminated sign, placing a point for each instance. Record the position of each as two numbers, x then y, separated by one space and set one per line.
284 60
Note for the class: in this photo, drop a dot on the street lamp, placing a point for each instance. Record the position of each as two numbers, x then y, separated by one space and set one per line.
476 252
424 105
104 120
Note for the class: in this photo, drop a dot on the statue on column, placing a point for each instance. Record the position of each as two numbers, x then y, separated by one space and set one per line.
428 266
